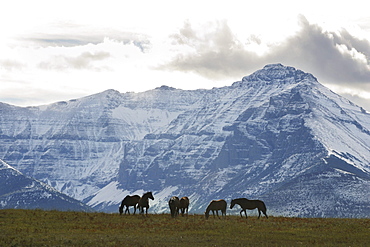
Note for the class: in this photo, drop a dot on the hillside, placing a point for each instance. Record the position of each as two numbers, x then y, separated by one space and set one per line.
22 192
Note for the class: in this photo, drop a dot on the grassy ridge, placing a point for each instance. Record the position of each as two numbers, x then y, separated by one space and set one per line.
55 228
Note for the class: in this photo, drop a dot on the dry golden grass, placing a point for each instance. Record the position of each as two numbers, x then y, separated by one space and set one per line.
55 228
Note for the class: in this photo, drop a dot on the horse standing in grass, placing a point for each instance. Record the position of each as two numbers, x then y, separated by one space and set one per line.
144 202
174 204
184 205
215 206
245 204
129 201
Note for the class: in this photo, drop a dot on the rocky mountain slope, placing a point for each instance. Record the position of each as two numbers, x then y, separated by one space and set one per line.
276 135
19 191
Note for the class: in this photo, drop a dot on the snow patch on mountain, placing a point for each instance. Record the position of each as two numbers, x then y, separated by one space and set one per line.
20 191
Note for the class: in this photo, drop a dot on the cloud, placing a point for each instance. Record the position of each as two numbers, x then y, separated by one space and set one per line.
83 61
70 35
65 40
10 65
331 57
216 53
335 58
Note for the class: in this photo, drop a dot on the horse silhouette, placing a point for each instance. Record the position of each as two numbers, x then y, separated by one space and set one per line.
129 201
144 202
174 204
184 205
215 206
245 204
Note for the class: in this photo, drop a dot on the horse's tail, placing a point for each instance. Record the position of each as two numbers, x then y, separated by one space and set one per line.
264 209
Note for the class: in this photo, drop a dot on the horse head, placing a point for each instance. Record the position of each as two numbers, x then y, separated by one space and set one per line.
150 195
232 204
206 214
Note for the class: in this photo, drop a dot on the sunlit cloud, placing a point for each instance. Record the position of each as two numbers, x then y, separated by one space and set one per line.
83 61
134 49
217 53
10 65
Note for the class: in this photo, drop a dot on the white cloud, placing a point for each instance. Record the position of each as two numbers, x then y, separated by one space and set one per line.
10 65
73 49
83 61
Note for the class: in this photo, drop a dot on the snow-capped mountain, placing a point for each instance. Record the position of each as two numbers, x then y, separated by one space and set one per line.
19 191
276 135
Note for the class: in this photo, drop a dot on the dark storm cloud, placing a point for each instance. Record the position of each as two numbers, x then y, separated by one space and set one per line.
219 54
84 61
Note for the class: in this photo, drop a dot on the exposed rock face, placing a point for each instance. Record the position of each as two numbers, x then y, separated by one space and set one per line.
276 135
19 191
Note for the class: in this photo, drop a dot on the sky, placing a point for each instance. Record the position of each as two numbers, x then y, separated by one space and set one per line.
60 50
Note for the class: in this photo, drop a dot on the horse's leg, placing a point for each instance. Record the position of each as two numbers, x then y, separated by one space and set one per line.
217 213
259 213
241 211
134 209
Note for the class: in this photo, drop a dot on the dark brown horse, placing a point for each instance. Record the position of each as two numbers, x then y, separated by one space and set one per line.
144 202
184 205
215 206
129 201
174 204
245 204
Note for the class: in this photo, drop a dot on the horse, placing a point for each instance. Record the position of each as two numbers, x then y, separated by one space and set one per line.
129 201
245 204
174 204
184 205
144 202
215 206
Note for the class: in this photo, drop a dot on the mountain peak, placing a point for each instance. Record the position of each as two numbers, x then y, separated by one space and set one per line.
272 73
164 87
